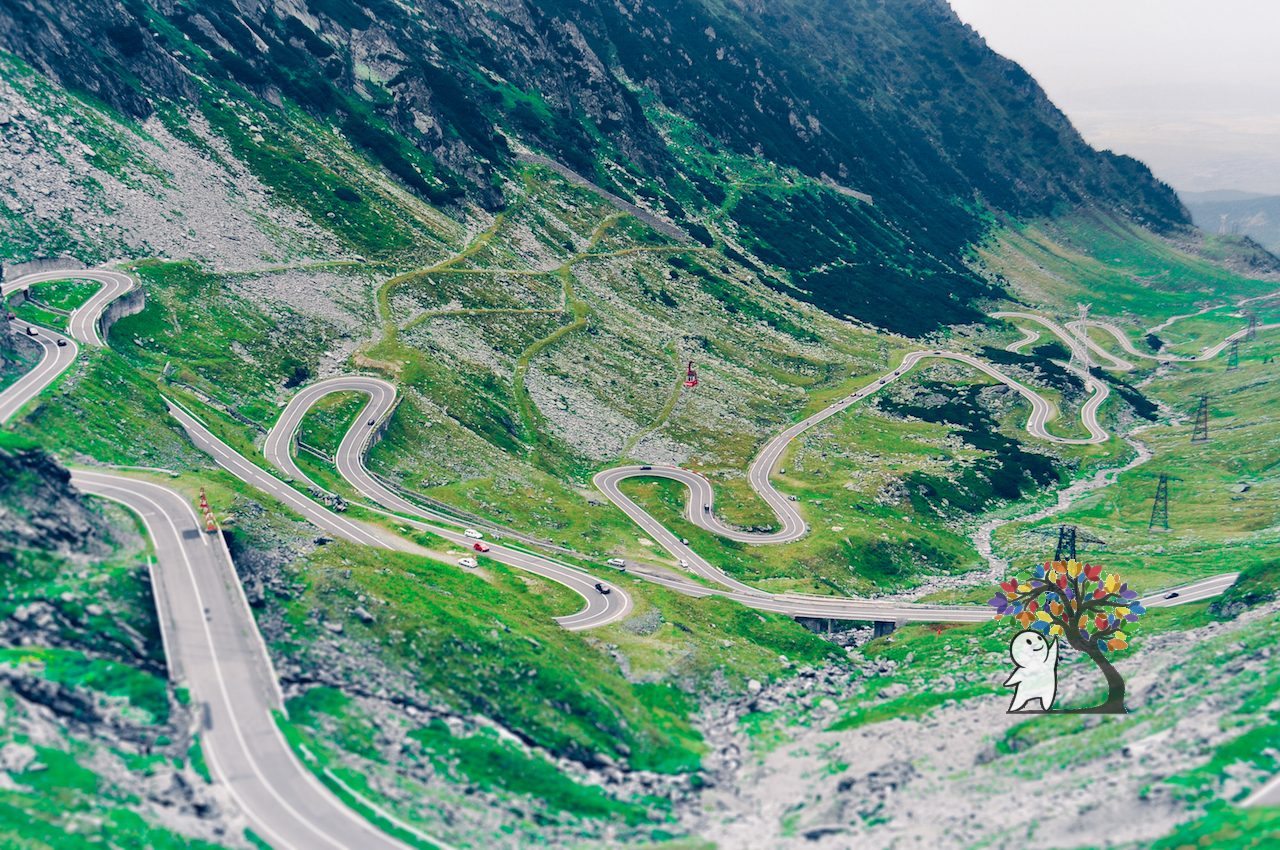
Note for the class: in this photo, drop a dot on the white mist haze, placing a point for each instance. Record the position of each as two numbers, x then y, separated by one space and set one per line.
1191 87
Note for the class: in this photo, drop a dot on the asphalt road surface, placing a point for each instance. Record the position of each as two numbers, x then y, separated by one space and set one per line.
53 362
350 464
598 608
1208 353
82 325
213 648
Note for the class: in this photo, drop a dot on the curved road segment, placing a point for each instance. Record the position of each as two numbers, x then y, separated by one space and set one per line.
1116 333
213 646
82 325
54 360
599 609
701 505
350 462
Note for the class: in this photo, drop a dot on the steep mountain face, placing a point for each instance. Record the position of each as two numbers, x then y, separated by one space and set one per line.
899 101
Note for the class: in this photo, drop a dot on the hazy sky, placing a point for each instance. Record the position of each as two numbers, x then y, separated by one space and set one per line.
1191 87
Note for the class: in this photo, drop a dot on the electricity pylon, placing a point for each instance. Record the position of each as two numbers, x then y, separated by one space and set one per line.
1160 508
1201 432
1069 539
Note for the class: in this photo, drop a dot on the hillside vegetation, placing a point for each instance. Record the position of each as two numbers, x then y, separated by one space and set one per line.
530 217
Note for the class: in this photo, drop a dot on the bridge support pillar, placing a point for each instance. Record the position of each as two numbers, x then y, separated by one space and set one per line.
882 628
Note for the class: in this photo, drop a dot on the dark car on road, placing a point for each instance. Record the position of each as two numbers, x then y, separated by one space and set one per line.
600 588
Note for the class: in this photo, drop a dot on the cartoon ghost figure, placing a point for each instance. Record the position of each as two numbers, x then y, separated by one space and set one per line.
1036 676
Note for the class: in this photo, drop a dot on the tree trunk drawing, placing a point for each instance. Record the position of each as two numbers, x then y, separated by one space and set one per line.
1114 703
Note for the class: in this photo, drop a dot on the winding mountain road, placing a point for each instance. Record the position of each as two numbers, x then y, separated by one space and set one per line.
350 462
1122 338
599 609
82 326
791 525
211 639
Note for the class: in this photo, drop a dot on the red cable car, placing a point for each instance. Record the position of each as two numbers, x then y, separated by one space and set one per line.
691 376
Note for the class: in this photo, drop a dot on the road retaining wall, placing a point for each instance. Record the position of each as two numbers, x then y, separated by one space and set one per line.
130 303
45 264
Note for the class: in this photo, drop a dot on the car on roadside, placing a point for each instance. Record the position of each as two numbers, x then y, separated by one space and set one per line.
616 562
481 547
602 589
469 563
472 533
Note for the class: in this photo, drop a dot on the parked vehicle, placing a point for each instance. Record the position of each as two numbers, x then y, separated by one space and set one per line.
601 589
469 563
616 562
481 547
472 533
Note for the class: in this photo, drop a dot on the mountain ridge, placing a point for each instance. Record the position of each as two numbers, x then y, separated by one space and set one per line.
901 102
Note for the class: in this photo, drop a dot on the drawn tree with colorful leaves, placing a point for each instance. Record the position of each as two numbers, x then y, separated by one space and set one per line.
1082 604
